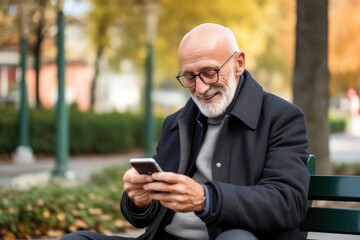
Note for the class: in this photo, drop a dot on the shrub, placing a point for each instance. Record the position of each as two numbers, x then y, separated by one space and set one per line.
42 125
89 132
347 168
8 130
105 133
337 124
56 209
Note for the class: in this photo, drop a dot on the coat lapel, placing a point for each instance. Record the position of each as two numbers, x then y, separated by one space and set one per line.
186 130
248 104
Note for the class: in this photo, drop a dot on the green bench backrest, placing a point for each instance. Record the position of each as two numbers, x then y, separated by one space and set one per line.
332 188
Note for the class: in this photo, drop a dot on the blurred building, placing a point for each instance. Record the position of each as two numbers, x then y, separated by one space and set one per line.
118 92
9 60
115 91
77 84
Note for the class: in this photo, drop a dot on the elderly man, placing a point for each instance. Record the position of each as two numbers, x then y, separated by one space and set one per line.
234 157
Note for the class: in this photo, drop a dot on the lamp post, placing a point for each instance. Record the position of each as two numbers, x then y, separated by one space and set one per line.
23 152
62 169
151 9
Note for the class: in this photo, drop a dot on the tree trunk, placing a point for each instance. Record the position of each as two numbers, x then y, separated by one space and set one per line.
311 76
37 50
99 53
37 56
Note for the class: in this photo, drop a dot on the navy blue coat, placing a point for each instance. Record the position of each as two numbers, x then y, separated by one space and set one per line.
260 180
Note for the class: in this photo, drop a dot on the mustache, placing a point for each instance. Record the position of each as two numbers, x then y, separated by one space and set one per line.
212 91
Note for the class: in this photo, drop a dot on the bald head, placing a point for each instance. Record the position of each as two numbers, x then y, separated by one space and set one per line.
209 37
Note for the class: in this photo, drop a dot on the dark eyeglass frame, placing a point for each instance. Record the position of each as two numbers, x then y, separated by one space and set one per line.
193 79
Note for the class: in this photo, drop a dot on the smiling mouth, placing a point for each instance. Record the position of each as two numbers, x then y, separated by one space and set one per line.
209 96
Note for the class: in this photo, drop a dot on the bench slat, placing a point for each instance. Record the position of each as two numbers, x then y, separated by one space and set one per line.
335 188
332 220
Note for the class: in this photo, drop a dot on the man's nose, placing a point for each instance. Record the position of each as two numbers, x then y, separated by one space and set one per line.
200 86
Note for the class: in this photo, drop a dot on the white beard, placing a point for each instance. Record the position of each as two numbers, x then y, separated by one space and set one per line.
219 107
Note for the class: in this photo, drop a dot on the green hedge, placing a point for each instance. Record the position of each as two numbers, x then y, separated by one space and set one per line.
57 209
8 131
338 124
89 132
344 168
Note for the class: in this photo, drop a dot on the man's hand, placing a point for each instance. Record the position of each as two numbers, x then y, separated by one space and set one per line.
134 186
175 191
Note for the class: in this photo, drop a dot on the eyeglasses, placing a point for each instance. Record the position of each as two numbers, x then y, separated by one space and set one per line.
207 76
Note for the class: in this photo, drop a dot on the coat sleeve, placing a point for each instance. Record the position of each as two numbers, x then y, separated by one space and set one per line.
138 219
278 200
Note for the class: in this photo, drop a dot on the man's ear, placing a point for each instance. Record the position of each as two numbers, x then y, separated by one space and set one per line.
240 63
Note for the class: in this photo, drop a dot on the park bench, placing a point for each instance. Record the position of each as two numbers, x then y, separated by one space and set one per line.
332 188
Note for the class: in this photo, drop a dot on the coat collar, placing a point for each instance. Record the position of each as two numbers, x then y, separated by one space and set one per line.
248 101
246 105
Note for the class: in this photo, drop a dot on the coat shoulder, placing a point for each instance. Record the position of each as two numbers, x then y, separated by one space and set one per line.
279 104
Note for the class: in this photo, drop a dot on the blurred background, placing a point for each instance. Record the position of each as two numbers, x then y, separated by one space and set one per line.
93 79
105 42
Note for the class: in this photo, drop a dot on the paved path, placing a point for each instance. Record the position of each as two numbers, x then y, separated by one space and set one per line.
83 167
344 148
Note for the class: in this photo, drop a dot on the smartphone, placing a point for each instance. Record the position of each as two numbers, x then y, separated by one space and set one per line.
145 165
